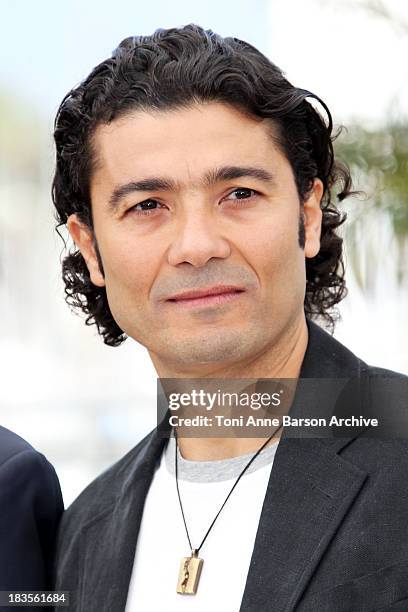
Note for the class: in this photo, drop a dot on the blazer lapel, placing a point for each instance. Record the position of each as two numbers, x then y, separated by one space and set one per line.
309 493
310 490
109 541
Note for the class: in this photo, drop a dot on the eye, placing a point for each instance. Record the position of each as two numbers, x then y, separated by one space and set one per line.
147 207
242 193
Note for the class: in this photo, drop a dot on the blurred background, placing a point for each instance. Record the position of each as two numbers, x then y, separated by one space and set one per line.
84 404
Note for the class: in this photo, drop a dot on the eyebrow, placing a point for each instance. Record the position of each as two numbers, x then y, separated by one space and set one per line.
154 183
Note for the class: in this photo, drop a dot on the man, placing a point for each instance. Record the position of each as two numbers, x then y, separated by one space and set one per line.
197 183
30 508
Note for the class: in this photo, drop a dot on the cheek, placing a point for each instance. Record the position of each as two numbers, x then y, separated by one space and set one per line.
127 266
276 245
280 264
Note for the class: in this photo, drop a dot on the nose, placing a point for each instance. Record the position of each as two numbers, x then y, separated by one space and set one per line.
197 240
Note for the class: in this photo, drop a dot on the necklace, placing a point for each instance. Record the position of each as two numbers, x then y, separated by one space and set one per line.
190 567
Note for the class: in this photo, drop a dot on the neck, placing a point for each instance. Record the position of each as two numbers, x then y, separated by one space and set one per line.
282 360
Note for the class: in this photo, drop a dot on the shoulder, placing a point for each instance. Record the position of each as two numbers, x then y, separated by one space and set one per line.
22 467
103 492
11 445
377 372
327 357
386 450
20 458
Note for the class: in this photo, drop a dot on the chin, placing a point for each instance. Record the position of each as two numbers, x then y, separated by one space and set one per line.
219 347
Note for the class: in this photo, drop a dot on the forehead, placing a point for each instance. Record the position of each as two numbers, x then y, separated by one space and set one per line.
182 142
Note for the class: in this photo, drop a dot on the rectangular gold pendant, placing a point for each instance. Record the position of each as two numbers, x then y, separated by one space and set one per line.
189 575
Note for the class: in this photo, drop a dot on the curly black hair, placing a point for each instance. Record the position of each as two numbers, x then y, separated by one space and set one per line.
174 68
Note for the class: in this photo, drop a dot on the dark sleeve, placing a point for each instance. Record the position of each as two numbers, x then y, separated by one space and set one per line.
30 509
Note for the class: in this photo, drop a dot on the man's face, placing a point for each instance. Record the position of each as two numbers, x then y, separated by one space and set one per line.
191 199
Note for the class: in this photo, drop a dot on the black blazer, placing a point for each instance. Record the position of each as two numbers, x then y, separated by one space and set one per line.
333 532
30 508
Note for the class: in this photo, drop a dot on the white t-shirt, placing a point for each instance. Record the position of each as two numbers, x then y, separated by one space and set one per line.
226 552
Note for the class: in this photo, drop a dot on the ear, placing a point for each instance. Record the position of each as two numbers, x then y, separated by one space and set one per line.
83 237
313 219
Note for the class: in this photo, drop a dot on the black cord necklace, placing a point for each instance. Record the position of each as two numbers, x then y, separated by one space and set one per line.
190 567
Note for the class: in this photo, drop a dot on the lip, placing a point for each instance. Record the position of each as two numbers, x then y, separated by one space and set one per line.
210 292
205 298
